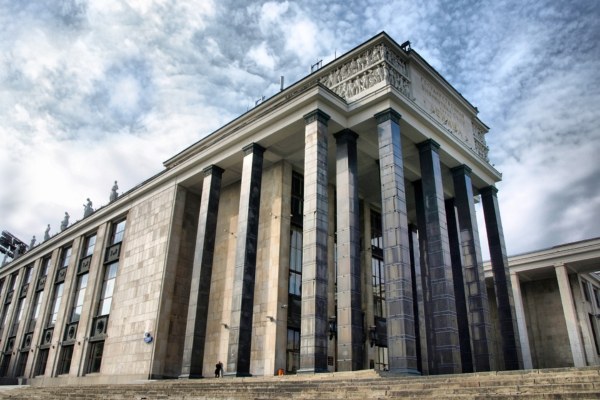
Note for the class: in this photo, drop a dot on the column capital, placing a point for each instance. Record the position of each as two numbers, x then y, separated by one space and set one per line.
461 170
316 115
345 135
390 113
253 148
428 145
489 191
212 169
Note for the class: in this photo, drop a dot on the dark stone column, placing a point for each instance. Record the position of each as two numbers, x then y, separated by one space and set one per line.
314 322
402 347
418 301
349 296
445 354
475 291
511 343
462 312
242 302
195 332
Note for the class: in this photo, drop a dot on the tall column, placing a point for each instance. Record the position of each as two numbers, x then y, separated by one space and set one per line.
402 347
195 331
314 322
511 343
472 272
521 321
349 301
568 305
462 308
418 301
436 254
242 301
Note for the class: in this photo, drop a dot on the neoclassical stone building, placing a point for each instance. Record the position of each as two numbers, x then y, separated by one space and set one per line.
332 227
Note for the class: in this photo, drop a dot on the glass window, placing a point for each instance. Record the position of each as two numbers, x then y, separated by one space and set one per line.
378 287
79 295
65 360
46 266
297 197
96 356
597 296
5 316
88 249
18 316
37 301
42 362
295 278
376 230
13 282
1 287
108 288
22 363
4 365
28 274
65 257
58 291
117 233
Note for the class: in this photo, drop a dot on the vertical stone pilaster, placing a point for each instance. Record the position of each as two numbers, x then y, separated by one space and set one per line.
418 301
349 302
511 343
242 303
195 335
521 321
445 353
314 320
462 307
472 271
402 348
568 305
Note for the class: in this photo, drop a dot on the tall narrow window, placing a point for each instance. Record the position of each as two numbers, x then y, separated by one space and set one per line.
596 295
22 363
295 261
13 282
117 232
586 290
58 292
46 266
90 243
96 356
65 360
4 316
293 350
297 198
18 316
65 257
79 296
28 275
379 308
108 288
40 369
37 301
1 288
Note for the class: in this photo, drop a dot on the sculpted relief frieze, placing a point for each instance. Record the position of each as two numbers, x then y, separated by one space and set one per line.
374 68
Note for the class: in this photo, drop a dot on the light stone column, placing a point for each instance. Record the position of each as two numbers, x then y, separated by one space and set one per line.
314 320
511 344
244 274
402 348
521 321
442 327
472 274
568 305
195 335
349 310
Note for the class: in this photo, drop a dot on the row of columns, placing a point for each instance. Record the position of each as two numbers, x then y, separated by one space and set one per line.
442 284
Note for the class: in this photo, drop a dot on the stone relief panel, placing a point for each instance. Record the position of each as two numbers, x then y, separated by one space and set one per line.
374 68
481 147
442 108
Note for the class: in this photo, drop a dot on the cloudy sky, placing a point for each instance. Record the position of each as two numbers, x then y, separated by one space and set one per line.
96 91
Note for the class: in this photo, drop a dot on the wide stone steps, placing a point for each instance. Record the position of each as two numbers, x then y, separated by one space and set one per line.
566 383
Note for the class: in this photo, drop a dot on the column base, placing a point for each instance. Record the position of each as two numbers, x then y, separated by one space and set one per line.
190 376
236 374
306 371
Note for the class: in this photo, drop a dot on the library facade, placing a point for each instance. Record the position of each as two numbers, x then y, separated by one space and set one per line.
330 228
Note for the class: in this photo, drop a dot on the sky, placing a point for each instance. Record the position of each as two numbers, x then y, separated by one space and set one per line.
97 91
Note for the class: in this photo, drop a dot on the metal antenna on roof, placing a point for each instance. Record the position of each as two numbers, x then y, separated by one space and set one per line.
316 66
257 102
281 83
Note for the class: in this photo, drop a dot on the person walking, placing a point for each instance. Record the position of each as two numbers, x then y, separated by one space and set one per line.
219 370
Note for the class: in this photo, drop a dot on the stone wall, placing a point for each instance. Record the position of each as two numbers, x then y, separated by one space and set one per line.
138 286
546 326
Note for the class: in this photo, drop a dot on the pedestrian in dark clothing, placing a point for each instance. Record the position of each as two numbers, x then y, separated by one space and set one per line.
219 370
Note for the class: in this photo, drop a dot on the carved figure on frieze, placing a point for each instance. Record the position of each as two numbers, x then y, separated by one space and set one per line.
65 222
113 192
87 208
47 233
32 243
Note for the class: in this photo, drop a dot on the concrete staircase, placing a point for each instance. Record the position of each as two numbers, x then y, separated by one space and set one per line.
563 383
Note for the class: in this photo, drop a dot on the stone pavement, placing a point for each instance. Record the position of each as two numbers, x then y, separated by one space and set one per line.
561 383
